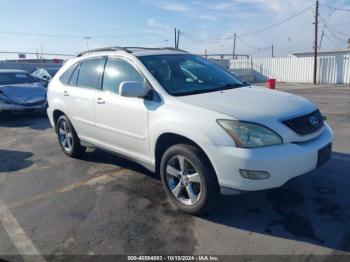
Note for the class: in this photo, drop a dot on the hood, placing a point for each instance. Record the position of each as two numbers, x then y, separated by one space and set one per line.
23 94
254 104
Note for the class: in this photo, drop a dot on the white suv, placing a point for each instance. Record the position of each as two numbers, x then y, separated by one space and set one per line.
202 129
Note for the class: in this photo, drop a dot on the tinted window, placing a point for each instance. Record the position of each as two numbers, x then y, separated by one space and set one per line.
67 75
118 71
74 78
188 74
90 72
15 78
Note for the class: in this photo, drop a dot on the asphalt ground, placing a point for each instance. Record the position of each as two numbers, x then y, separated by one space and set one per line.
51 204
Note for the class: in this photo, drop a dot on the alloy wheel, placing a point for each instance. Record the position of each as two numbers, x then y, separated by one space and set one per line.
183 180
65 135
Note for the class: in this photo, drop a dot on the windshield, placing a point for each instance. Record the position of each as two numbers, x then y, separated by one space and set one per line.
15 78
182 75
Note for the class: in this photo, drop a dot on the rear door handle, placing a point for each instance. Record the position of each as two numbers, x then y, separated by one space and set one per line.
100 101
65 93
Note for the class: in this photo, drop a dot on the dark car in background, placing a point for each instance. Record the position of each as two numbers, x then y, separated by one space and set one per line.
20 92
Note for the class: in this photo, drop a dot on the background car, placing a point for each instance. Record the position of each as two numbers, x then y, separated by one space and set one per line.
19 92
44 75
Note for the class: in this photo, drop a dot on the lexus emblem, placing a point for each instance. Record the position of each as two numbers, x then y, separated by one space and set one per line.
313 121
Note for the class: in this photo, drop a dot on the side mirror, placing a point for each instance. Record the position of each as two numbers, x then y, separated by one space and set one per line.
132 89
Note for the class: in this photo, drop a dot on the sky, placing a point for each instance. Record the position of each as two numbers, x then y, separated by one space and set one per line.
61 26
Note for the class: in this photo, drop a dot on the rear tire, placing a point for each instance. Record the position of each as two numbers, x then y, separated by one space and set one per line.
68 138
189 179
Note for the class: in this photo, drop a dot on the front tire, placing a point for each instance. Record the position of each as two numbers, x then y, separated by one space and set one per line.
188 179
68 138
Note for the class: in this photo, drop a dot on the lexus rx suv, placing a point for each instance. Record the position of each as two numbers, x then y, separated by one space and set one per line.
201 128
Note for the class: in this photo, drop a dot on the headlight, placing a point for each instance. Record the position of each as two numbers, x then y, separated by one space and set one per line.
250 135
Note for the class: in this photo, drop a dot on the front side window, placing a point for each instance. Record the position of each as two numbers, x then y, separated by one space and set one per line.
189 74
117 71
90 72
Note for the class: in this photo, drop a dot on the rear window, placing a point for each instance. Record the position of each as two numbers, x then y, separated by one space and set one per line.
15 79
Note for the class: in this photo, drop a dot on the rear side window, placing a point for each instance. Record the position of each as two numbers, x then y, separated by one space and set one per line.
74 78
67 75
90 72
117 71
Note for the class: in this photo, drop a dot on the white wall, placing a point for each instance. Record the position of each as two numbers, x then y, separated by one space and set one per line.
331 70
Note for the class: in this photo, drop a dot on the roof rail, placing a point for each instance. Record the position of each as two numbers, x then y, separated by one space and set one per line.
127 49
105 49
155 48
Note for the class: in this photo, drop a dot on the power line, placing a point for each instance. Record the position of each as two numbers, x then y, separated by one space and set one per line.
326 22
337 8
253 46
342 40
215 41
333 32
77 36
209 41
335 44
340 33
277 24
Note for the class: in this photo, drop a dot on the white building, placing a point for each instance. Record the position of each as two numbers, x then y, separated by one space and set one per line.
338 52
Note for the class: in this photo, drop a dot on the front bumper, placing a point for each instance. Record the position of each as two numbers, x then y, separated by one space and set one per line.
282 162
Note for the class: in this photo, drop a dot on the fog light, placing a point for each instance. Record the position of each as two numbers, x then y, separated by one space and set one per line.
254 175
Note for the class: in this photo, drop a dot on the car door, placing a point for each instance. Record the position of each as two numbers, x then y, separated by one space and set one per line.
122 122
83 85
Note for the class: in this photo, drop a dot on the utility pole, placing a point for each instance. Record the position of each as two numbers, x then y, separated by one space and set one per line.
272 51
42 55
234 46
175 33
316 42
87 39
290 44
178 39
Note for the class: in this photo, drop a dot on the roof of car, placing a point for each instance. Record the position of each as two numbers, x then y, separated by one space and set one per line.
137 51
11 71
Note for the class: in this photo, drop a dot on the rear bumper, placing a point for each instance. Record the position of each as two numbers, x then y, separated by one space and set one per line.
50 116
282 162
12 107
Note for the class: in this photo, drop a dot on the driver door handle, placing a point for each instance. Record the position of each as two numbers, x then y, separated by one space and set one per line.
100 101
65 93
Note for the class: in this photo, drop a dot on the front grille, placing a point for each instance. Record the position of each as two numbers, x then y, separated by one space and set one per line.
306 124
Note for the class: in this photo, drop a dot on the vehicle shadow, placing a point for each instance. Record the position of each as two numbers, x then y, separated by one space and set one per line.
36 121
11 161
313 208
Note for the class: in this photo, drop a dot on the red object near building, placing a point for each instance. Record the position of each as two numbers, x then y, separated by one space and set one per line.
271 83
56 61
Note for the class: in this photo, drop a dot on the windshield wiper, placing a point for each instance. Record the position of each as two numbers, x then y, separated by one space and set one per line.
210 90
230 86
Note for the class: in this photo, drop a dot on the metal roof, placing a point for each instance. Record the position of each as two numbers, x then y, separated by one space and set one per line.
323 52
